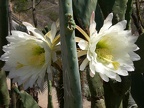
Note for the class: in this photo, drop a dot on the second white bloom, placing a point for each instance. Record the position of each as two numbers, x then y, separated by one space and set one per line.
109 52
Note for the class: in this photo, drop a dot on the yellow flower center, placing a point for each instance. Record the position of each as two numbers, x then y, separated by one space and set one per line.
105 55
38 56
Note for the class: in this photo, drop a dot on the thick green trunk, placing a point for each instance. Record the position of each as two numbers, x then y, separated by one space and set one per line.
71 77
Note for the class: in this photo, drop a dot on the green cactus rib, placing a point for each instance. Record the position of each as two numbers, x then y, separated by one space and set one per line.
128 13
82 12
118 7
137 86
3 25
50 104
97 91
98 18
71 77
4 94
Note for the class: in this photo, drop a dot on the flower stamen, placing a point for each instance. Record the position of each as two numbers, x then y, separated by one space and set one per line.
19 65
106 57
83 32
38 56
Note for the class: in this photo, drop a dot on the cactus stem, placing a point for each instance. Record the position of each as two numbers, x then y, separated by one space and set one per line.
50 104
71 77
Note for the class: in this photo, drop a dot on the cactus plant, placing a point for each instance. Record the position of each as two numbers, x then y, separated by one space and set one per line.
103 94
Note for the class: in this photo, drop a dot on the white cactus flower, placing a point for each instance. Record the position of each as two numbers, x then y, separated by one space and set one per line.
29 56
110 52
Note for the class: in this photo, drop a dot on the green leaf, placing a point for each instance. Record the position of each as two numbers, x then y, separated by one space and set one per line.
27 100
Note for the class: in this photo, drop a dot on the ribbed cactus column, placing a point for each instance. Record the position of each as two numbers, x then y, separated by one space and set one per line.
3 25
71 77
4 95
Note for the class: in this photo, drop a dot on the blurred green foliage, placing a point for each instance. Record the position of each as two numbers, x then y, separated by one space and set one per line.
20 5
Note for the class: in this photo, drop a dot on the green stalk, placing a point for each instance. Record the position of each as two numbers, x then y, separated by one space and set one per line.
50 104
128 13
13 96
59 85
97 91
4 94
71 77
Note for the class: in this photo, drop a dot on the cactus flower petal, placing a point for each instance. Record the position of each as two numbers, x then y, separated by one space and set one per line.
53 31
83 44
104 77
84 64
